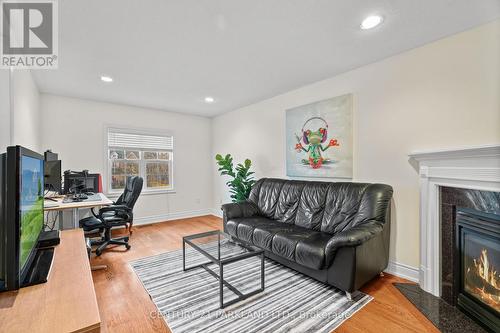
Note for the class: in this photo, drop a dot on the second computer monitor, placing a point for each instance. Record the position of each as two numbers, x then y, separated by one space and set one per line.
53 176
91 184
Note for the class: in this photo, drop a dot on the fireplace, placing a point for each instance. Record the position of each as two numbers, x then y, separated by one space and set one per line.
451 200
472 168
478 269
451 180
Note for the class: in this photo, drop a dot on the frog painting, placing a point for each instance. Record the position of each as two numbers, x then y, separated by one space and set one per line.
319 139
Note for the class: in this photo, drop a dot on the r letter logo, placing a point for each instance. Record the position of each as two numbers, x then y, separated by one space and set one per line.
29 34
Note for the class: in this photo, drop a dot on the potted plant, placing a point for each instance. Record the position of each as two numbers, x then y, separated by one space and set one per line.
242 180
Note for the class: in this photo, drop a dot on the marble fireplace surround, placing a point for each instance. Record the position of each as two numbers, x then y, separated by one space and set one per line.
475 168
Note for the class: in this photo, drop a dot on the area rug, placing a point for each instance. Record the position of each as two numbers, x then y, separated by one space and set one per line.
292 302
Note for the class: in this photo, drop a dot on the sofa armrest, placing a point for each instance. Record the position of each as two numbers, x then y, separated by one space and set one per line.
352 237
240 209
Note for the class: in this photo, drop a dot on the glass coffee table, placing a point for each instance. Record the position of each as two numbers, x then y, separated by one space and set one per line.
209 245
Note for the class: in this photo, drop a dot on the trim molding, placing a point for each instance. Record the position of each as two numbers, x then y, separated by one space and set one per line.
490 150
403 271
171 216
216 212
475 167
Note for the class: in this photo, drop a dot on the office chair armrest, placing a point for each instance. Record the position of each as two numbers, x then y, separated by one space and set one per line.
114 208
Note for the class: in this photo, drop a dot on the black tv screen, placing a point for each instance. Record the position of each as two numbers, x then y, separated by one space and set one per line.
21 213
31 206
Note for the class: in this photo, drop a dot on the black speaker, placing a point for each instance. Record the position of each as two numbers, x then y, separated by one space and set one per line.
49 239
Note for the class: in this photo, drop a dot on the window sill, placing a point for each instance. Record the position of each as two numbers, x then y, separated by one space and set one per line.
114 195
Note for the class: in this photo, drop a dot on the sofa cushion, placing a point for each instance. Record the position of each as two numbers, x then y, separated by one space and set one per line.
255 192
312 202
310 251
231 226
288 201
341 206
285 241
243 228
304 246
374 204
246 227
263 235
269 194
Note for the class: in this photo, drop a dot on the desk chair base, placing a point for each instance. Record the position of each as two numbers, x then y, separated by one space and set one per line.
105 240
89 242
112 241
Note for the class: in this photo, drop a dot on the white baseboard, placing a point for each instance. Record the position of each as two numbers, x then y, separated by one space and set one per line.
171 216
216 212
403 271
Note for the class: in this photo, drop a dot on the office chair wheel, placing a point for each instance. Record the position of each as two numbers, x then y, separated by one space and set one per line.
128 247
98 252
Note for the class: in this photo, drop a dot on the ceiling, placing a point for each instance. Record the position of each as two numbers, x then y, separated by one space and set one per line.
169 55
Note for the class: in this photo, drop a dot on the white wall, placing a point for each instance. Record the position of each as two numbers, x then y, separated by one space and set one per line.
4 109
444 94
75 128
25 114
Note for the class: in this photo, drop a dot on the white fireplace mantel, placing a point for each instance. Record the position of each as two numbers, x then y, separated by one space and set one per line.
472 168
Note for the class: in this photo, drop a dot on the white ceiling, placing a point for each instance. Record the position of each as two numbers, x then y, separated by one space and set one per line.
169 55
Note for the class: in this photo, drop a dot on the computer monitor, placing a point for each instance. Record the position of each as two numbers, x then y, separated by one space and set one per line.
90 184
50 156
53 176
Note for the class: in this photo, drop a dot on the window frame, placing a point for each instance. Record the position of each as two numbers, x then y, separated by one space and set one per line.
142 162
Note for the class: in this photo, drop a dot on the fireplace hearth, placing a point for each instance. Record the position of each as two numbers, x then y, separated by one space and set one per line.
478 270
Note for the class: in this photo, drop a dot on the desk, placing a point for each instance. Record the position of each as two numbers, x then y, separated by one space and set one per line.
66 303
75 206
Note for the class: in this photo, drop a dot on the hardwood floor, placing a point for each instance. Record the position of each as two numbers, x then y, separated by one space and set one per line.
125 306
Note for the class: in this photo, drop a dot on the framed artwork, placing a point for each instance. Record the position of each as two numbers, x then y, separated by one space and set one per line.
319 139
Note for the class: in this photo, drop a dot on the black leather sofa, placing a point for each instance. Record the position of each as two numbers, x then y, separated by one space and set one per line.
337 233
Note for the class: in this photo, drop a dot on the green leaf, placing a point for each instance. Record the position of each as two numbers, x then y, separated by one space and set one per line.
242 180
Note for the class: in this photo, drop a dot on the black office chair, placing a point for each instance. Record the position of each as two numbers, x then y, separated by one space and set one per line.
118 214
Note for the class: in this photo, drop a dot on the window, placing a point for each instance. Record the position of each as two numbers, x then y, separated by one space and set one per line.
132 153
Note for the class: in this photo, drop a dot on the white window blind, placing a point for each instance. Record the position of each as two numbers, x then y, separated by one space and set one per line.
137 153
131 140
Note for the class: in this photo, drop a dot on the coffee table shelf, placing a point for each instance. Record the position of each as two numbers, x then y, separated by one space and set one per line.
203 243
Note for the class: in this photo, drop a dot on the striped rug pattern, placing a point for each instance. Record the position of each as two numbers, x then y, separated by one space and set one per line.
292 302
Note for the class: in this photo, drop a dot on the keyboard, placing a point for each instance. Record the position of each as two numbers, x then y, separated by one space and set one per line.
82 197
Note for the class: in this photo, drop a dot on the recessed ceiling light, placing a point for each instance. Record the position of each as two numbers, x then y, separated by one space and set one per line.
106 78
209 99
371 22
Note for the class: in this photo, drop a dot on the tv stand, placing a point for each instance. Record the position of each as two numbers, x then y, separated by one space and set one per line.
65 303
40 267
